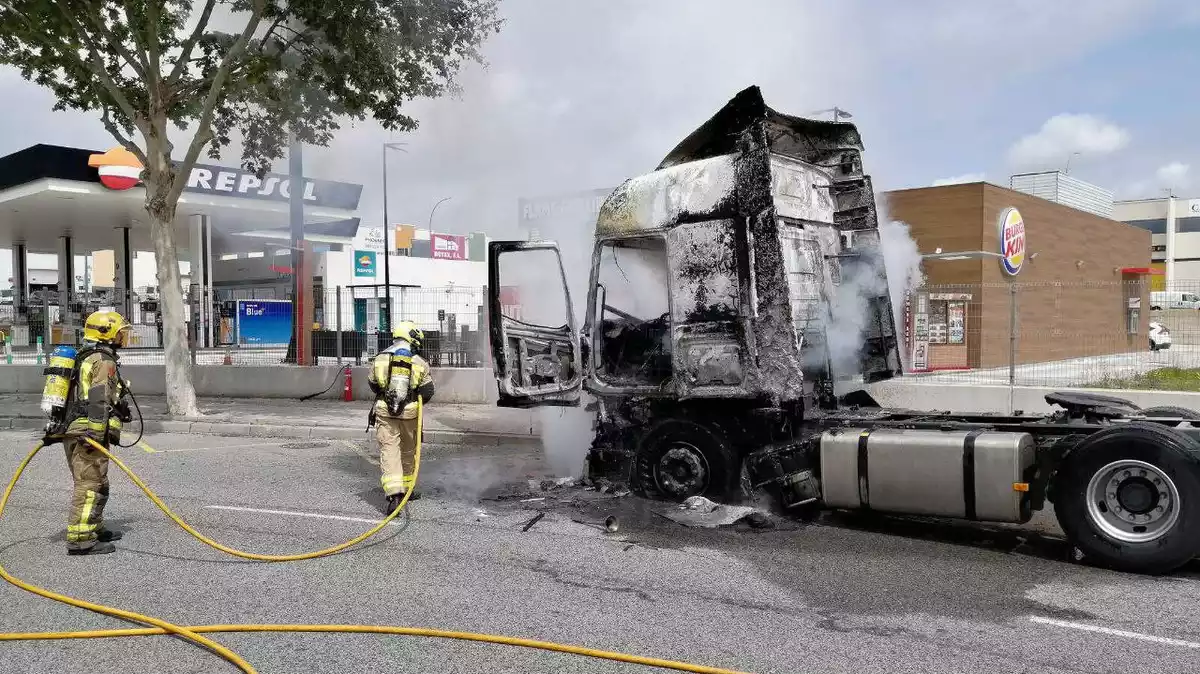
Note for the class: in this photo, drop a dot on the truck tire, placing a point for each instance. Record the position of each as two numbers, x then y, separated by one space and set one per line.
1128 497
680 458
1171 411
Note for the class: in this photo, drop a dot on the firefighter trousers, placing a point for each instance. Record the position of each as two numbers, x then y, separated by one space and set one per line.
397 453
89 471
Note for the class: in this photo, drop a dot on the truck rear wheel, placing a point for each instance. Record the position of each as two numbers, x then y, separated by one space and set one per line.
1171 411
679 458
1129 497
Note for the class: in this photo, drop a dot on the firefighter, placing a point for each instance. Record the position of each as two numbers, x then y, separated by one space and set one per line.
95 411
398 376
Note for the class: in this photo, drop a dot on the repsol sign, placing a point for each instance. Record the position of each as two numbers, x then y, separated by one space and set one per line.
119 169
245 184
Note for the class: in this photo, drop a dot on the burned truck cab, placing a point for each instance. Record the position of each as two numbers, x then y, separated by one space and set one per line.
710 304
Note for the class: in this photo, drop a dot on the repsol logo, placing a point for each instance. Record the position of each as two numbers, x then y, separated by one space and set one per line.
241 183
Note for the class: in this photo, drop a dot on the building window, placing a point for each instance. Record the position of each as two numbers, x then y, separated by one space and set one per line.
1159 226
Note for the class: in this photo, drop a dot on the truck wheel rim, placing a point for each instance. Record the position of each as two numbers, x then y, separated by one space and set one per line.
1132 501
682 470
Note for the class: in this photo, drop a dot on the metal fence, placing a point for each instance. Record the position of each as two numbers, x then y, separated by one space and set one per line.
253 326
1086 334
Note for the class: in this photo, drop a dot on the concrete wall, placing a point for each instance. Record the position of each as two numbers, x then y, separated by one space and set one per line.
453 385
478 386
1031 399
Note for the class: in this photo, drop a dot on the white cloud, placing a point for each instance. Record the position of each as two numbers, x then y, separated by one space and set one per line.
1065 134
1174 174
958 180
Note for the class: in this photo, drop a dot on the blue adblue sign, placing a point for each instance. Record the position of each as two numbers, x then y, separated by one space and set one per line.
264 322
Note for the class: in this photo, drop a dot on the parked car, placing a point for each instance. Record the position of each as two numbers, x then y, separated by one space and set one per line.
1160 336
1172 299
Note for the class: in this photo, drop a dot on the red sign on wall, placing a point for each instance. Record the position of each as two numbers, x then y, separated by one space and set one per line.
447 246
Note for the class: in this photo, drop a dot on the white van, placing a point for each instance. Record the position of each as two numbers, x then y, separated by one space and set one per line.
1173 299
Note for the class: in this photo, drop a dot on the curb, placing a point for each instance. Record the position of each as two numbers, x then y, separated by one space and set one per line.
227 429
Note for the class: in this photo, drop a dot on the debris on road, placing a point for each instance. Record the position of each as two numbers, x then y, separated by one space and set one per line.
532 521
698 511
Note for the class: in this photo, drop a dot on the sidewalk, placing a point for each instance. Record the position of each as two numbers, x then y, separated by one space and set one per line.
324 419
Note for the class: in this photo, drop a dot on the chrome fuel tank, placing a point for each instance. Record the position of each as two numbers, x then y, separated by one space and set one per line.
973 475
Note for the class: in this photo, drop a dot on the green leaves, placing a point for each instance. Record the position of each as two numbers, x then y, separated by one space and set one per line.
303 66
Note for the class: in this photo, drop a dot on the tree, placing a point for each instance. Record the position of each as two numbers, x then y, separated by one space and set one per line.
159 69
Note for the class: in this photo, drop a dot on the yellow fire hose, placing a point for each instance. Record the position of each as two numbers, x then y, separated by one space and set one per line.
195 633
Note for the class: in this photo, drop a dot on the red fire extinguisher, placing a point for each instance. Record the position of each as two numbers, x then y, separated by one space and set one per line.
348 387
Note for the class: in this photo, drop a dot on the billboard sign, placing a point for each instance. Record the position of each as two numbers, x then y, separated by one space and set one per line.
264 322
447 246
364 264
1012 241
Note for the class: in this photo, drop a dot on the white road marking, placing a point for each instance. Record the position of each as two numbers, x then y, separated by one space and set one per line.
238 446
1114 632
297 513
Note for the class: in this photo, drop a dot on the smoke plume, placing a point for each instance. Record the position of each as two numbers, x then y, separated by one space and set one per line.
899 259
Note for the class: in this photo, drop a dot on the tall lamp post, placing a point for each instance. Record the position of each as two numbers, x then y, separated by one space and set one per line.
387 242
434 210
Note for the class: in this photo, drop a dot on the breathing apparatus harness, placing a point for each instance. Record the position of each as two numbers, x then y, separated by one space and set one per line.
60 395
396 381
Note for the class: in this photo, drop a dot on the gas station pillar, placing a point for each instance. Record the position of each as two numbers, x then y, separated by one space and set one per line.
68 322
201 272
123 273
20 282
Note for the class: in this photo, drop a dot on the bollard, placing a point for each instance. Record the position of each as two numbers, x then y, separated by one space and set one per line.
8 349
39 350
347 386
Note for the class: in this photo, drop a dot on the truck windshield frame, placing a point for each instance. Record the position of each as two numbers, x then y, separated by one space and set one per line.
629 321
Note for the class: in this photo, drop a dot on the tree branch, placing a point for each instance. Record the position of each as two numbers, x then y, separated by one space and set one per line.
185 54
204 132
127 143
96 64
139 65
262 44
154 79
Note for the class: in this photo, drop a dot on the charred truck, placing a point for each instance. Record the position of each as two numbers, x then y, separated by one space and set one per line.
726 385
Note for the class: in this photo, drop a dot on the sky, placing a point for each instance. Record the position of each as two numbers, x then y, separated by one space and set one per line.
583 94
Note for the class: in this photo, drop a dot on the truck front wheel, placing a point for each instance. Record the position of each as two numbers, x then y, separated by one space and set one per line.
1128 497
679 458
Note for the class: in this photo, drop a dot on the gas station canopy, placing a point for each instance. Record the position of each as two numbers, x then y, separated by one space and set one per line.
48 192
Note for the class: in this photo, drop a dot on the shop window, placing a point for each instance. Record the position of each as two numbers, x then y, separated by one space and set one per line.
947 321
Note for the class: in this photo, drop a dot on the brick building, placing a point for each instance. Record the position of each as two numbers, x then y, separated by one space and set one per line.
1077 280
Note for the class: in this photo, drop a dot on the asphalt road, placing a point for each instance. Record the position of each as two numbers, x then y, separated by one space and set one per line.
846 595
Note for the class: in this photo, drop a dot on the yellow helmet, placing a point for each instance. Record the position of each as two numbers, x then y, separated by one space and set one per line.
408 330
105 327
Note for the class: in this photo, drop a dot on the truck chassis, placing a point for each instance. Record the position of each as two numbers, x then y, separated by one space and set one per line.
1124 482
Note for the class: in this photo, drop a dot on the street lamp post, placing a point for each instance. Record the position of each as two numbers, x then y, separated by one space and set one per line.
434 209
387 243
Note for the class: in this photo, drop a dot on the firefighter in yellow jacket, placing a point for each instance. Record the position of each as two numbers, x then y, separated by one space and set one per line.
95 411
398 376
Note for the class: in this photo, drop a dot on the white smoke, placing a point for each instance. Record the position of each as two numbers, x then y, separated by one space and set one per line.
902 263
566 437
849 311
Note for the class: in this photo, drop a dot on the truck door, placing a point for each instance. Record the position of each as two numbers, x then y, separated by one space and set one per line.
535 346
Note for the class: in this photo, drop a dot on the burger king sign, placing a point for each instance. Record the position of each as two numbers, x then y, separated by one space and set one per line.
1012 241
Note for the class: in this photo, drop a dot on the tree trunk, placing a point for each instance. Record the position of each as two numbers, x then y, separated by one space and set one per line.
181 393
